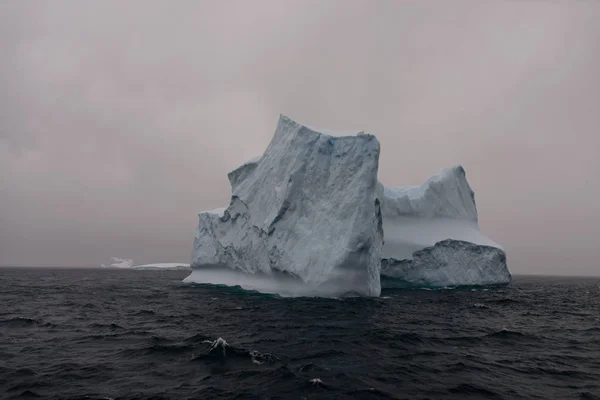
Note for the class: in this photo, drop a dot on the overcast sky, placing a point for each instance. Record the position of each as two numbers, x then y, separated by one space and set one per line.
119 120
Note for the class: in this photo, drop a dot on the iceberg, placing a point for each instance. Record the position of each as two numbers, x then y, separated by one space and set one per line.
116 262
303 219
432 236
126 263
449 263
310 218
170 266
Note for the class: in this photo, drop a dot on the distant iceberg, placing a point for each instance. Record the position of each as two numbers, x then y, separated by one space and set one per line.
116 262
172 266
309 218
128 264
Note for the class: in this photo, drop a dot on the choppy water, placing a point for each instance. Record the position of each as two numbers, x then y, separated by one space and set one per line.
142 334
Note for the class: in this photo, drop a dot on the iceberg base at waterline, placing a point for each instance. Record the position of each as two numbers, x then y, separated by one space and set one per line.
277 283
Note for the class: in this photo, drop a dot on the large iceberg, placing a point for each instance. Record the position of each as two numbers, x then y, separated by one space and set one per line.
303 219
308 217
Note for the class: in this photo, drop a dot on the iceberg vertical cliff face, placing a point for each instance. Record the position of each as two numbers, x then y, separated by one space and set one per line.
304 215
432 235
448 263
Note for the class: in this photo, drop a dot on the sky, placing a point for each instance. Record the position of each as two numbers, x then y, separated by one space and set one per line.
120 120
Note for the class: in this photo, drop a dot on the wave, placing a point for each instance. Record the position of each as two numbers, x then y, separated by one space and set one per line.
111 326
507 333
157 348
506 300
321 355
588 396
370 393
411 338
28 394
19 321
473 390
311 367
24 322
144 312
317 382
159 339
29 386
197 338
591 329
221 353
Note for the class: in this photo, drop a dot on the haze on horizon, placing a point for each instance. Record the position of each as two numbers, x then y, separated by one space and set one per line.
120 120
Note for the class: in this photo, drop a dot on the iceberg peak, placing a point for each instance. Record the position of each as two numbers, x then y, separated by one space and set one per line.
446 194
329 132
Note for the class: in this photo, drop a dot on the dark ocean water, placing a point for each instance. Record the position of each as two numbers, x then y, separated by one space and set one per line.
142 334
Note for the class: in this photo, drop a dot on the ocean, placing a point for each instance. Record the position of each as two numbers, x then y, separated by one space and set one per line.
122 334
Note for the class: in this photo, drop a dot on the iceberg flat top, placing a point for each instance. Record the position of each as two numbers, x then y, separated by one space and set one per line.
334 132
217 211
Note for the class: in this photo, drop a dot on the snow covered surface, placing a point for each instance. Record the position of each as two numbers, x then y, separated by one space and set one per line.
304 215
219 212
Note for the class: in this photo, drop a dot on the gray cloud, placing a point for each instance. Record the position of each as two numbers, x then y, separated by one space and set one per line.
119 121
